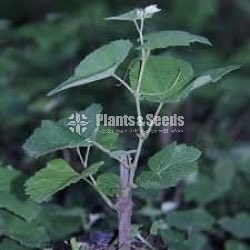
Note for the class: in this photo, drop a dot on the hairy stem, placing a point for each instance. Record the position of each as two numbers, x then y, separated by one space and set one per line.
124 206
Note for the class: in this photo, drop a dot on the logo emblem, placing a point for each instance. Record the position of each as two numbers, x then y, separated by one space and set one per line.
77 123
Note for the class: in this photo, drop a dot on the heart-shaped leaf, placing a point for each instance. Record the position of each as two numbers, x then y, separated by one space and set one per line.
163 79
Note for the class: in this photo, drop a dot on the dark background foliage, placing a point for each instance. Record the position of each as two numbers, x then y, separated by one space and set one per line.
41 41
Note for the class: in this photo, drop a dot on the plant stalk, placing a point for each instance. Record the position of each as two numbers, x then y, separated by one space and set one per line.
124 206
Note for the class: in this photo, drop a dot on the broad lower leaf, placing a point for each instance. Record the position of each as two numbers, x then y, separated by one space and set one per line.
7 244
206 189
55 177
169 166
66 133
26 209
12 199
7 176
211 76
197 244
176 240
28 234
238 226
171 38
100 64
171 235
108 183
196 241
164 78
196 219
53 217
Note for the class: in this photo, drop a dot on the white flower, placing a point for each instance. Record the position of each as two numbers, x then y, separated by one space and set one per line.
151 9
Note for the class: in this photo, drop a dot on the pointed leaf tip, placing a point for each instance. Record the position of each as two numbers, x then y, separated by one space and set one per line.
172 38
100 64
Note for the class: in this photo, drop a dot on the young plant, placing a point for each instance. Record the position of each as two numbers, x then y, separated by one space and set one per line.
159 79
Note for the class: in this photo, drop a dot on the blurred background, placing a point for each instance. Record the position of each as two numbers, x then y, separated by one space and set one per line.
41 41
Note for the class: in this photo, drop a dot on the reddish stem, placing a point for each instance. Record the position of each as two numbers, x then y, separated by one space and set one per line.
124 206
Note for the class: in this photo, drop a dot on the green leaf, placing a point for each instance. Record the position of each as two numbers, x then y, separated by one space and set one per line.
197 241
7 176
106 139
169 166
171 235
12 199
108 183
20 230
53 136
92 169
207 189
164 78
100 64
26 209
54 177
238 226
171 38
196 219
173 155
235 245
149 180
195 244
211 76
53 217
7 244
